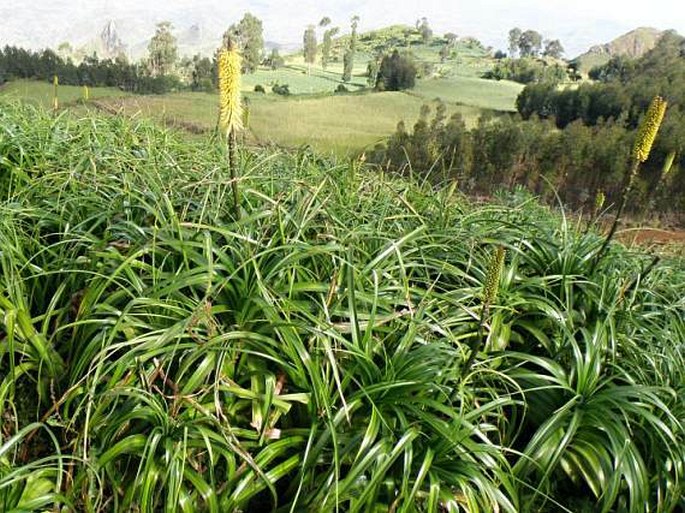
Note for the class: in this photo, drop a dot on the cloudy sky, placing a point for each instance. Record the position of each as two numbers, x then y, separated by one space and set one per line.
577 23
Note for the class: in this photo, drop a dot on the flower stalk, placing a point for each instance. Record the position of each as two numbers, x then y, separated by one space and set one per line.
646 135
493 276
55 99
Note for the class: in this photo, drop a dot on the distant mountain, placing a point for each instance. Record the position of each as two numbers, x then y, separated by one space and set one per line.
49 23
633 44
110 41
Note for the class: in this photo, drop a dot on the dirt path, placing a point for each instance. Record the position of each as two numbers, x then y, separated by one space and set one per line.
652 236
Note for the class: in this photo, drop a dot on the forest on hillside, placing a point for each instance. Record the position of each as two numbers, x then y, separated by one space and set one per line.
570 141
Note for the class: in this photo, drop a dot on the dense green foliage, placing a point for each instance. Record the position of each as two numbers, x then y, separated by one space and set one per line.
574 164
396 72
162 51
625 89
248 34
613 107
529 67
203 73
158 355
528 70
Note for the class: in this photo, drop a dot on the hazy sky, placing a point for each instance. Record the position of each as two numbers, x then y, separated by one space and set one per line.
577 23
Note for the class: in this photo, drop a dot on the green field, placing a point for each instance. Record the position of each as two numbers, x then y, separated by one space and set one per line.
313 114
335 339
302 81
41 93
476 92
340 123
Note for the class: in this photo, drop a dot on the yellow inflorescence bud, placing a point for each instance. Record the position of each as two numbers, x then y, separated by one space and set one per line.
231 109
600 198
668 163
493 276
648 129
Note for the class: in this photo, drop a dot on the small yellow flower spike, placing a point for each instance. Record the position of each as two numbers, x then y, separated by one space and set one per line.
600 198
55 100
648 128
493 276
230 106
668 163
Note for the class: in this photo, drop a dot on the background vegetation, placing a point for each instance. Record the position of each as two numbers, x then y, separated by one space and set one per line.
570 143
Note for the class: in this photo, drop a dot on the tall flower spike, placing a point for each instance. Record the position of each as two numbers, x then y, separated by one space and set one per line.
648 129
493 276
230 106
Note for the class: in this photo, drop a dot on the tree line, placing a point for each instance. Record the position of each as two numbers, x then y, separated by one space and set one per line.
576 164
621 95
531 59
19 63
160 72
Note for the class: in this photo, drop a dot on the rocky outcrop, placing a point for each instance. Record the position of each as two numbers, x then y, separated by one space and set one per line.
110 43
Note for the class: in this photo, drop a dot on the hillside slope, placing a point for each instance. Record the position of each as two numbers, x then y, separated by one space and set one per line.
632 44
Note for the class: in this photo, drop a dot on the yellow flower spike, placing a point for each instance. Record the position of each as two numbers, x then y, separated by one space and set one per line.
493 276
230 105
649 128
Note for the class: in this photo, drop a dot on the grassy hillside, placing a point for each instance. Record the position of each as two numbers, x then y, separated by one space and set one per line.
341 123
354 342
328 122
302 80
475 92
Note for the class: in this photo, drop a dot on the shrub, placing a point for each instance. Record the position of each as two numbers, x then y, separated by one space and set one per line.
259 88
526 71
396 72
282 89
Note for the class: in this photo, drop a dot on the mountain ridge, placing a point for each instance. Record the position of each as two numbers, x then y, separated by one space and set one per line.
632 44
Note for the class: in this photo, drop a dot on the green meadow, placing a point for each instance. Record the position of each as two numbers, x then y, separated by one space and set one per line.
313 114
41 93
339 123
